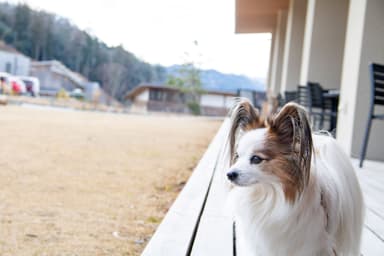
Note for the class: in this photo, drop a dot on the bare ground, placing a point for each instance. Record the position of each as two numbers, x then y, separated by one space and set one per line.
69 181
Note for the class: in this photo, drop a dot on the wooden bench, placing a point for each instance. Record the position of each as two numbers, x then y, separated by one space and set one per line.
198 223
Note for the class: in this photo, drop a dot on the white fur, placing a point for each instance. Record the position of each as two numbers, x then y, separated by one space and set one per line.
266 224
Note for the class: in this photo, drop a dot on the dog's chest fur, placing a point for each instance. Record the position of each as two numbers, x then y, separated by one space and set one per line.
271 227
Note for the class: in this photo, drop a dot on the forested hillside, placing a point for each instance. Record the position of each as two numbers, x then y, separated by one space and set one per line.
44 36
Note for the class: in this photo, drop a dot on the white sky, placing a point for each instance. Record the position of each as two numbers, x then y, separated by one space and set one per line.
160 31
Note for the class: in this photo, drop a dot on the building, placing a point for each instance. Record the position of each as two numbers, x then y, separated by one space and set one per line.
12 61
155 98
330 42
54 76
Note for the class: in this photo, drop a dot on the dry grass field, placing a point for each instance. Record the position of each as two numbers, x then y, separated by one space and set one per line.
69 180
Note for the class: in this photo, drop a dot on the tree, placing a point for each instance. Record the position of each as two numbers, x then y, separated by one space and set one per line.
112 75
22 21
188 80
5 31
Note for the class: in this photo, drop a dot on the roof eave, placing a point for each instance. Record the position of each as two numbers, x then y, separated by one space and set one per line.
258 16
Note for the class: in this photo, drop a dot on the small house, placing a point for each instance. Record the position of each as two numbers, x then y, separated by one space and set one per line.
159 98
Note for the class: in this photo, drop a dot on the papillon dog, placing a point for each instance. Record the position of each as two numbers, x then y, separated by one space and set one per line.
295 193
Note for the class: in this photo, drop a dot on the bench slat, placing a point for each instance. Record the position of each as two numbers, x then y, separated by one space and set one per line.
173 236
215 233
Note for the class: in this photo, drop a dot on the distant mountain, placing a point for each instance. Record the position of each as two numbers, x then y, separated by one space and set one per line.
217 81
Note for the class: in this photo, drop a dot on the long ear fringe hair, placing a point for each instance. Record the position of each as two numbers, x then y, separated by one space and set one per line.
244 117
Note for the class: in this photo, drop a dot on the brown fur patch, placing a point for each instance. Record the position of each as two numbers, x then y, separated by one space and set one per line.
289 149
279 164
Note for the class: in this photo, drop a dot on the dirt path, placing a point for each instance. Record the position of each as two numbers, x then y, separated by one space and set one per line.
69 180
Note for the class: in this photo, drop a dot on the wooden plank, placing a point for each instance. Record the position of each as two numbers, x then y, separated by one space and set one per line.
375 223
371 178
174 233
366 176
215 233
374 217
372 175
371 245
373 196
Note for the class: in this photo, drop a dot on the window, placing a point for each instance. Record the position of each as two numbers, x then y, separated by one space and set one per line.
8 67
156 95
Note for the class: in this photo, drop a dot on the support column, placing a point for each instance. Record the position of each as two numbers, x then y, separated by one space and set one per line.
324 40
270 65
363 45
293 45
278 52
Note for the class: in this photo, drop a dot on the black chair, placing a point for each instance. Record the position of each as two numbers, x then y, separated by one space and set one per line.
321 107
315 100
290 96
304 99
302 96
377 98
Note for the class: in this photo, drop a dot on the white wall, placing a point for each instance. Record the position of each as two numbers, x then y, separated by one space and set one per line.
212 100
20 64
229 101
324 41
143 96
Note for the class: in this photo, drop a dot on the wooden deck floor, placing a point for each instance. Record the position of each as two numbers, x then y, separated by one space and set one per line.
371 178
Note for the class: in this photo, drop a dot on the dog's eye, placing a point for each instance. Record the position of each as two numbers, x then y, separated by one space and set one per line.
256 159
235 157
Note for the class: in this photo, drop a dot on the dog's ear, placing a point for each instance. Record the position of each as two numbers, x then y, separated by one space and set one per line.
244 117
292 128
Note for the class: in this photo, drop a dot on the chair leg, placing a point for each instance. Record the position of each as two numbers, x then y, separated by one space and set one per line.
365 142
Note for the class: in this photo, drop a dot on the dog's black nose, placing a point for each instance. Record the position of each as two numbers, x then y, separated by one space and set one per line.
232 175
